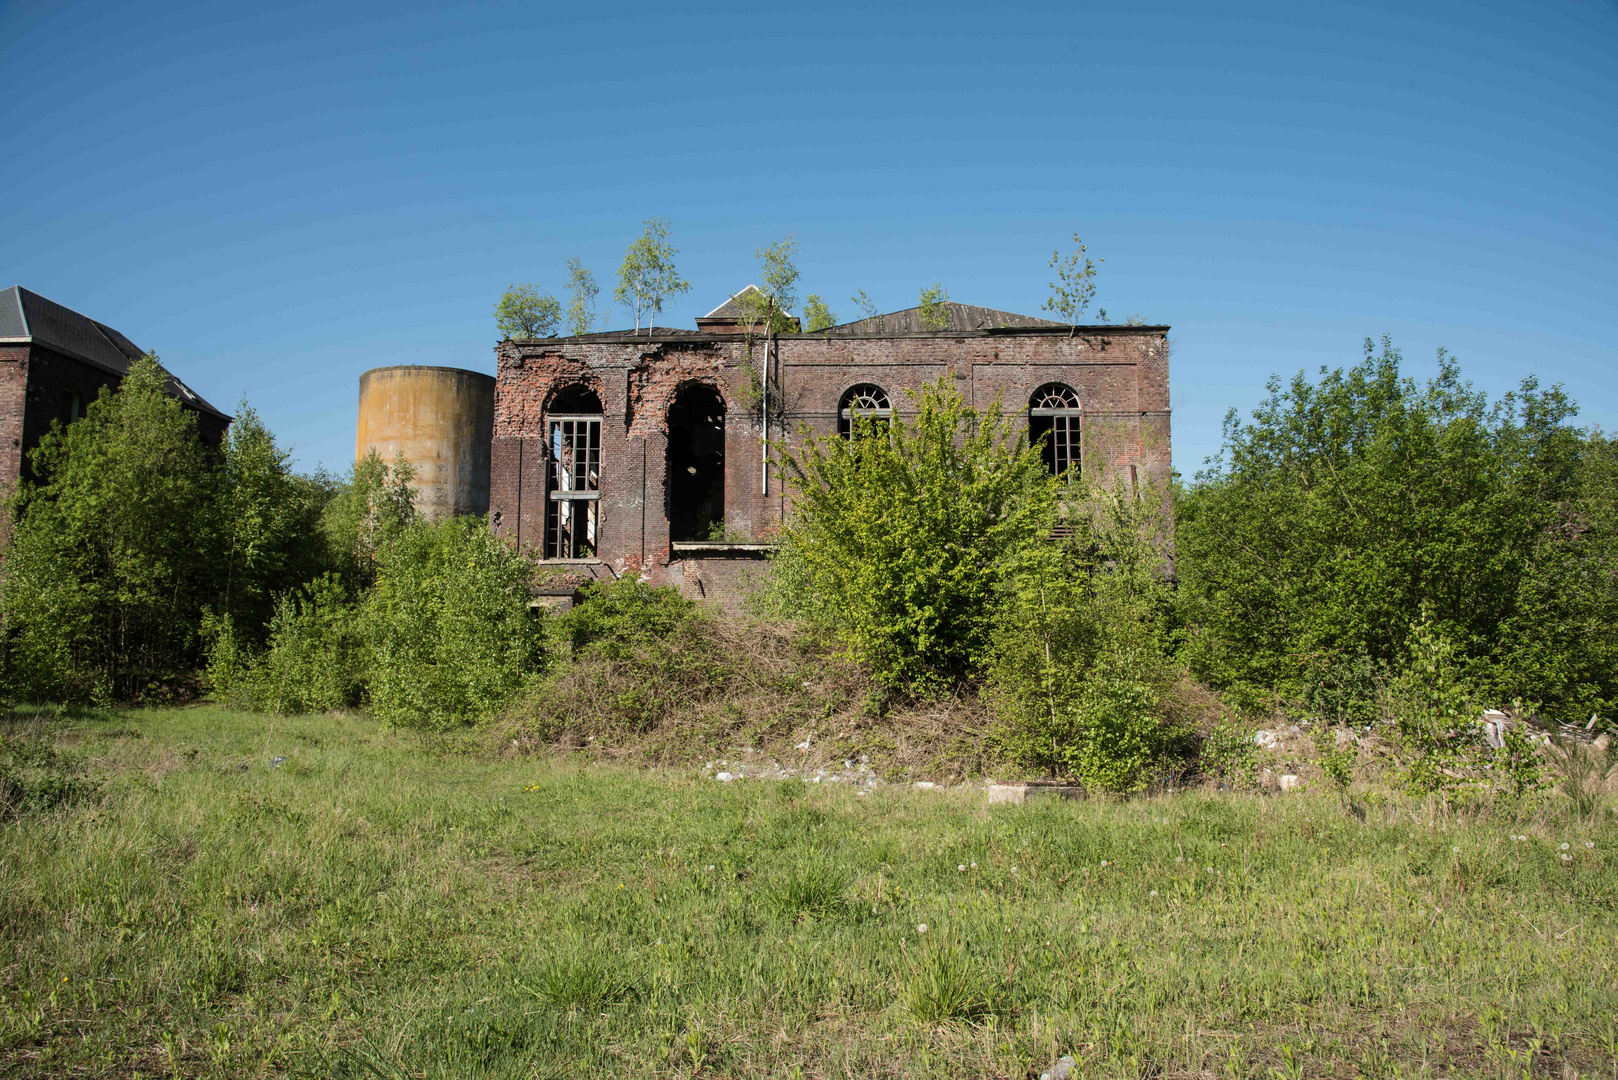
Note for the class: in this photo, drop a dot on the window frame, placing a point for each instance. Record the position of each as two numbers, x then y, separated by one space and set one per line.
1063 447
573 486
846 412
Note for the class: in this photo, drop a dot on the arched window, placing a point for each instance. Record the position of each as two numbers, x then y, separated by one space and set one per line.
573 482
1053 416
865 401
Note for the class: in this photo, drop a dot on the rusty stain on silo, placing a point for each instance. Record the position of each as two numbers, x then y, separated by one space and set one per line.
442 421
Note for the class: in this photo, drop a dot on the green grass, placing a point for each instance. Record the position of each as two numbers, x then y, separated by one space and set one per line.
380 907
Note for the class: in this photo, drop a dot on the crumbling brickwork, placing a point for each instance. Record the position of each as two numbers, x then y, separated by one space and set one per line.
1119 373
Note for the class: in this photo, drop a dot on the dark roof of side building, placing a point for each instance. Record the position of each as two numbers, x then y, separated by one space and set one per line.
26 316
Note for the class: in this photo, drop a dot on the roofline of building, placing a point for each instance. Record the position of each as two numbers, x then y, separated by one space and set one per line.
426 367
630 336
198 403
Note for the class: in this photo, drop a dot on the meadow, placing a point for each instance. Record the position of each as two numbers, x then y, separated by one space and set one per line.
232 894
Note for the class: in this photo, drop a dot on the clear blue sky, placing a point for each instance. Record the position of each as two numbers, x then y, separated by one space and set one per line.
277 199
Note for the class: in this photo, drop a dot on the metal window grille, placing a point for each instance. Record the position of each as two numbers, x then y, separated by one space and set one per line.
572 514
865 401
1053 416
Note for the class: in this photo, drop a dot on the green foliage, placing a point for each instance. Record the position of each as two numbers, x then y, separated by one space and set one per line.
867 306
1228 755
778 264
647 277
1436 712
452 637
933 315
103 580
1336 758
269 524
35 775
943 981
1348 505
1075 284
817 316
369 511
1080 670
618 615
524 312
903 535
1518 761
582 290
315 660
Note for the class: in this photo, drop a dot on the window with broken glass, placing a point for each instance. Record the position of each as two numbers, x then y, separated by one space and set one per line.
573 496
865 402
1053 426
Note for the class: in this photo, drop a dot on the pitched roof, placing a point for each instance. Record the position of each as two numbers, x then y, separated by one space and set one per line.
962 317
28 316
732 308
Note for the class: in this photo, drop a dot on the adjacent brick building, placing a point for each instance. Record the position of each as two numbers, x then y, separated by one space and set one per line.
53 362
654 450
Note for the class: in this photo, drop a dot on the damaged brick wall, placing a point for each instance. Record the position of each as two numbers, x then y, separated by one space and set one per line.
1120 376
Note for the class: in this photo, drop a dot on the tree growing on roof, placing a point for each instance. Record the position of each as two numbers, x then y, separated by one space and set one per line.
867 306
1075 284
647 276
525 312
581 307
933 315
816 315
770 305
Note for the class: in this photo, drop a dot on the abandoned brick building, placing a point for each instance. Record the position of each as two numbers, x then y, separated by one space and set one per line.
53 362
655 450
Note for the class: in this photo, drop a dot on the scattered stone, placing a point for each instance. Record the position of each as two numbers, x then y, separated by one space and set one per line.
1061 1070
1291 782
277 762
925 784
1266 740
724 778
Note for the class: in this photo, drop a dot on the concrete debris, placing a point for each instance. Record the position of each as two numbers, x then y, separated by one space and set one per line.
1061 1070
1291 782
925 785
724 778
1021 793
1495 724
1266 740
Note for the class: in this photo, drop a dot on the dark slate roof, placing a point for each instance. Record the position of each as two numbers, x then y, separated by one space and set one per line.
731 309
28 316
962 317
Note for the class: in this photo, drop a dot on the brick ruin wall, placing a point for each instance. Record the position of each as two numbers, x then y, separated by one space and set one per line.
1121 378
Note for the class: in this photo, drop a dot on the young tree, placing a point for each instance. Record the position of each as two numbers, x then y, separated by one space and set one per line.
779 296
933 314
525 312
647 276
581 306
867 306
817 316
1075 284
113 552
902 535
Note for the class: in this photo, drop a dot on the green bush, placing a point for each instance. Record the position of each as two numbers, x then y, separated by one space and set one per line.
903 534
452 636
315 660
617 616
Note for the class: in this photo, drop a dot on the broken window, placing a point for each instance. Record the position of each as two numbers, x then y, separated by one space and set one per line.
865 402
1053 425
573 486
696 464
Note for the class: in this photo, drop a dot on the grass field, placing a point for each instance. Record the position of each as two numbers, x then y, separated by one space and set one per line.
379 907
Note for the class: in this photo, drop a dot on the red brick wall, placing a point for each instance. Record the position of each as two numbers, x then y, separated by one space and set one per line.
13 410
1121 377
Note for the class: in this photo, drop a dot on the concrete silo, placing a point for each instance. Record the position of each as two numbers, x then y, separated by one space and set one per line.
439 419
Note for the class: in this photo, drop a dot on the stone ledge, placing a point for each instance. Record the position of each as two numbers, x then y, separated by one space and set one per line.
1035 792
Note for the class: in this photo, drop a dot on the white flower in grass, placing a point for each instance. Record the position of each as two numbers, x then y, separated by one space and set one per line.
1566 846
1589 843
1457 850
1104 863
921 928
974 866
1179 858
1154 892
1566 857
962 868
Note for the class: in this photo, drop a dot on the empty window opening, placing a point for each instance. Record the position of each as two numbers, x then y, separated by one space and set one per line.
865 402
573 483
696 490
1053 425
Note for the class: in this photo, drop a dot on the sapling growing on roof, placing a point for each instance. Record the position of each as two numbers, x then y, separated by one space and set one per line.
647 276
523 311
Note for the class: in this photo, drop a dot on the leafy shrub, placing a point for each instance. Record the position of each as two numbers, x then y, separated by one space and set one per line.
452 636
315 660
1228 754
619 615
1081 671
34 775
1435 711
902 535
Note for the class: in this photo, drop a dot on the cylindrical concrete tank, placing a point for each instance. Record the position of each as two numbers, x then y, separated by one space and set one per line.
442 421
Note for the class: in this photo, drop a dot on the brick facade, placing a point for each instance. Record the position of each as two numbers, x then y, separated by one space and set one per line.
1119 373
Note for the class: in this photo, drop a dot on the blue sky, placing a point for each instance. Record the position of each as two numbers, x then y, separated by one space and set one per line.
277 200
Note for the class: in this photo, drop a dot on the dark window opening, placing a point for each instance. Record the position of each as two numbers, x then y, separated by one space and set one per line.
573 481
864 402
1053 426
696 463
